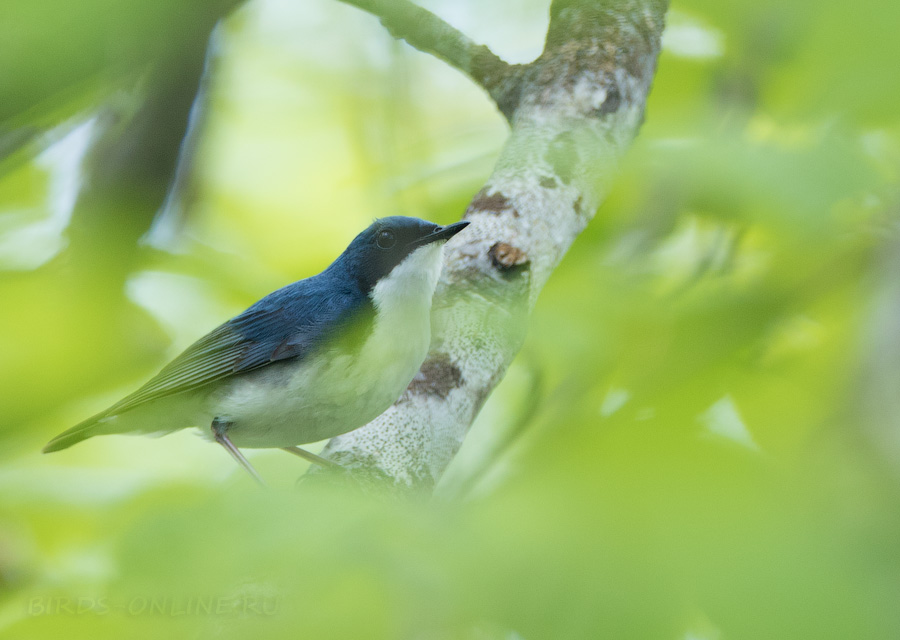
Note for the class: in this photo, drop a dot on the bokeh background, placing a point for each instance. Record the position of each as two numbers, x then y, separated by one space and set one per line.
699 441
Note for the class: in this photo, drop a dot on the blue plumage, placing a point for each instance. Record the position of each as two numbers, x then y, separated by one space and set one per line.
336 369
291 322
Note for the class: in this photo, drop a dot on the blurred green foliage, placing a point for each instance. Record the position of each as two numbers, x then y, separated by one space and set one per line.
700 439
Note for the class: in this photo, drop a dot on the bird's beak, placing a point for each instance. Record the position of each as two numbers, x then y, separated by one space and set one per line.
442 233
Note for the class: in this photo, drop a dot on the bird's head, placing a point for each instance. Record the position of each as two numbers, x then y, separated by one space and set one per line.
397 250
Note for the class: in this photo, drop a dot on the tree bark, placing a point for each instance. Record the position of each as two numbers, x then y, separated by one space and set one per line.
573 112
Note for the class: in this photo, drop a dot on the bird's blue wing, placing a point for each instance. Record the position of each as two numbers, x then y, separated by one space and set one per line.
290 323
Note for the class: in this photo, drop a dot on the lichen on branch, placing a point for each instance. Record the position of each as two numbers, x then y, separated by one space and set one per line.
573 112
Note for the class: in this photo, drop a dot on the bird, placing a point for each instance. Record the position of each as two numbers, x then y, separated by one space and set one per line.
315 359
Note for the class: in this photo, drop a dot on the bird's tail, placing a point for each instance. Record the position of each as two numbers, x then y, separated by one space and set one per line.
81 431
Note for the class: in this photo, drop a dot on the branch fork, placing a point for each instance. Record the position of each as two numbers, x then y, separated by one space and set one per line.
573 113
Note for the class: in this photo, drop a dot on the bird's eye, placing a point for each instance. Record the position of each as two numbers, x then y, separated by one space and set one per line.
385 239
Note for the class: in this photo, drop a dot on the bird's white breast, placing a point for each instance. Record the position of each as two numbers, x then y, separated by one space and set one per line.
333 393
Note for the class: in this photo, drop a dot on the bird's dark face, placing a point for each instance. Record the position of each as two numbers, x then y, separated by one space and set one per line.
389 242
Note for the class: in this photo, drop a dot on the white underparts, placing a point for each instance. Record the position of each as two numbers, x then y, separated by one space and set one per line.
334 393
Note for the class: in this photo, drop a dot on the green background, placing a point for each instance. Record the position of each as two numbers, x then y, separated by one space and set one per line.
700 439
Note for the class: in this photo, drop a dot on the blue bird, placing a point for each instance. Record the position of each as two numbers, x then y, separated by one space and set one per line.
315 359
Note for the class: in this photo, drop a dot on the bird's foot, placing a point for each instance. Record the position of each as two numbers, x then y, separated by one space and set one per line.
219 429
311 457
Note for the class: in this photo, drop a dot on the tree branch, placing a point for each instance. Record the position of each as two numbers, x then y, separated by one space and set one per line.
427 32
576 110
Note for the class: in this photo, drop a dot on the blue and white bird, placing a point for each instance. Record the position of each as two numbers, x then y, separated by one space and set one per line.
315 359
